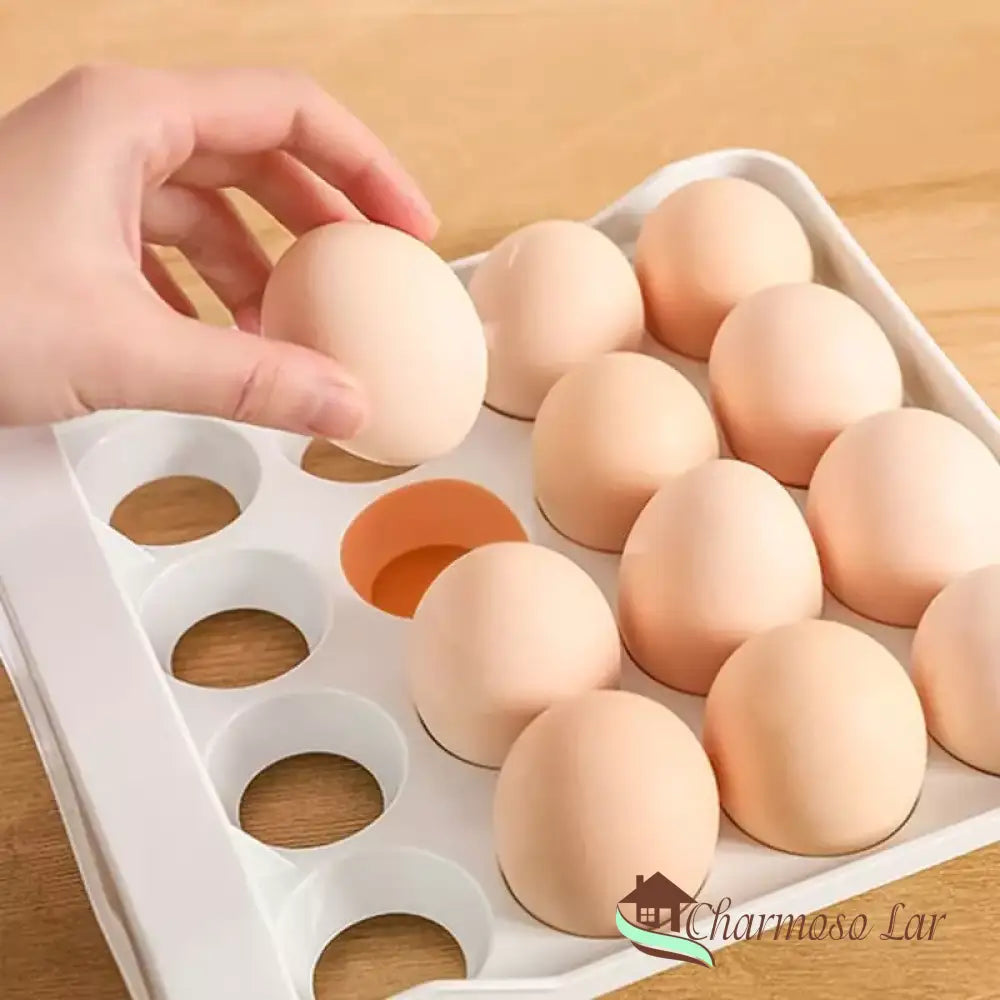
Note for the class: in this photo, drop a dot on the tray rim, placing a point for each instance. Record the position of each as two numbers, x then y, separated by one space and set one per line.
820 891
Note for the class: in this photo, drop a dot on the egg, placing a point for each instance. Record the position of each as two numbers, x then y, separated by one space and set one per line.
817 739
500 635
399 319
956 667
608 434
790 368
900 504
706 247
718 554
595 792
550 295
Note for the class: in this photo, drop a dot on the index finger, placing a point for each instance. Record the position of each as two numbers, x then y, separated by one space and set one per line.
240 111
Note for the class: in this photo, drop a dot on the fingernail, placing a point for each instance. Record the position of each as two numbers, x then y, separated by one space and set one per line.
433 224
247 317
340 411
422 206
423 222
418 198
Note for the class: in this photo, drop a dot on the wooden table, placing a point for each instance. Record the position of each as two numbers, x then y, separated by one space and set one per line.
507 112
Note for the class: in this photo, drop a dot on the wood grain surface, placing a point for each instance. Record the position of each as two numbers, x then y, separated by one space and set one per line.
511 111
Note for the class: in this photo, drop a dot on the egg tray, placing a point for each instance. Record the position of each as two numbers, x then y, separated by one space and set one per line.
148 771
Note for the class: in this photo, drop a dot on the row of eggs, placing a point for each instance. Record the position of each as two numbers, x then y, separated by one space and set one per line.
549 330
814 737
556 293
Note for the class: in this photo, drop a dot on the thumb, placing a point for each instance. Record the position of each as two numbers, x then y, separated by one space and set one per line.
172 362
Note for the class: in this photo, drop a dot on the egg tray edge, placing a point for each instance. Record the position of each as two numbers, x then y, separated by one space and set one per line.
142 925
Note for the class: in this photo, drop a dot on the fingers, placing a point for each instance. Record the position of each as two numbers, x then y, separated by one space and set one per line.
208 230
163 284
163 361
241 111
171 115
286 188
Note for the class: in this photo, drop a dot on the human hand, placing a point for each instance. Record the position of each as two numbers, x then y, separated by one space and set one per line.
109 162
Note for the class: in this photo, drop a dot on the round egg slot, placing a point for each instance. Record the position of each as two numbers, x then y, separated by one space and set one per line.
413 950
165 479
296 729
375 883
309 800
323 459
396 547
233 598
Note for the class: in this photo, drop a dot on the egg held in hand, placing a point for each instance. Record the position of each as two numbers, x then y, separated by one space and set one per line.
396 316
500 635
595 792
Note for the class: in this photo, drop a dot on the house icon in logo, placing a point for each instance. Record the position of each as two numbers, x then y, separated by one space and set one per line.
655 896
657 901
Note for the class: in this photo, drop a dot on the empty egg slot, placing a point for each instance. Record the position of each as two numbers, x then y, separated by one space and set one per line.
413 950
237 649
396 547
291 726
211 469
310 799
374 883
173 510
246 580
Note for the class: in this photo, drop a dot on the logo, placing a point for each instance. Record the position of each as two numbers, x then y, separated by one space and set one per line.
656 929
650 918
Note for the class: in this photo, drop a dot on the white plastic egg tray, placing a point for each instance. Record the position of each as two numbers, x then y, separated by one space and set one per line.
148 771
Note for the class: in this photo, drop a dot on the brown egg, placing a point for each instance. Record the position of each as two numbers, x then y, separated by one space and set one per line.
398 318
900 504
791 367
708 246
817 739
607 436
501 634
956 667
595 792
719 554
551 295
